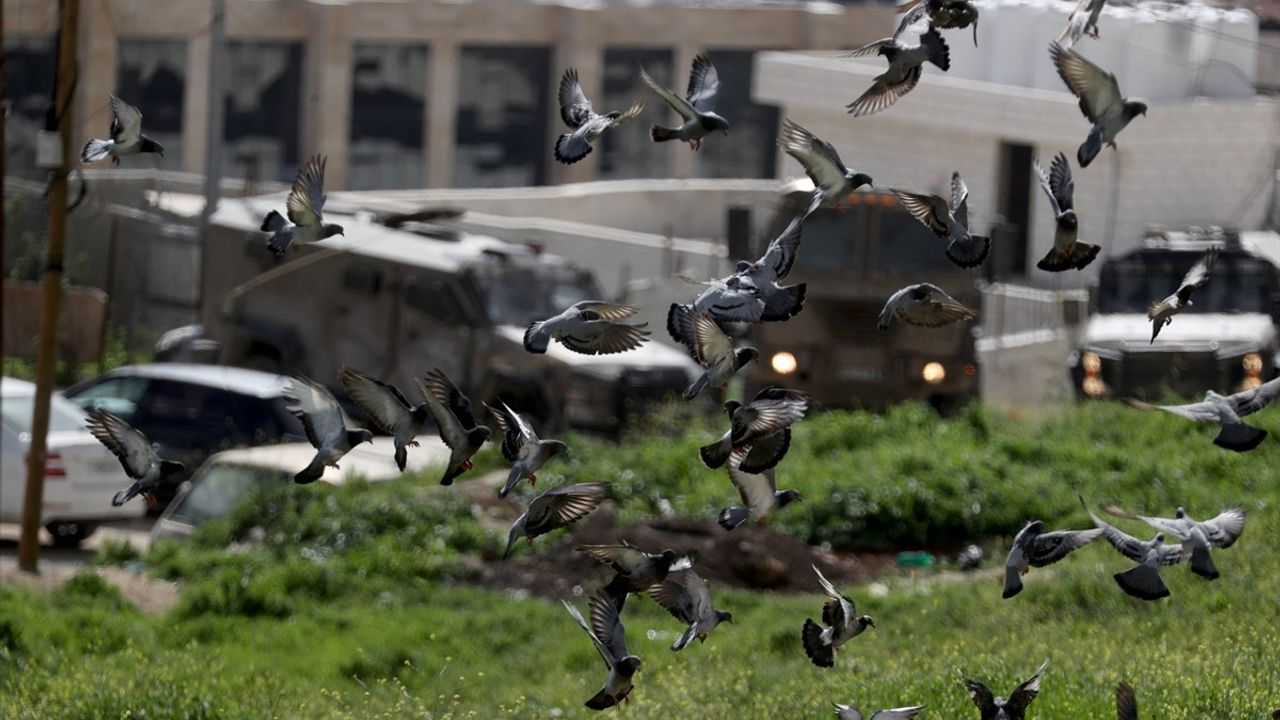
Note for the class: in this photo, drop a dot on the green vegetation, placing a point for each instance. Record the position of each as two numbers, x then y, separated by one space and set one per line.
352 602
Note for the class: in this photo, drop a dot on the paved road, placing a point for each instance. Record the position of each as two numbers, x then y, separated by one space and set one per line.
135 531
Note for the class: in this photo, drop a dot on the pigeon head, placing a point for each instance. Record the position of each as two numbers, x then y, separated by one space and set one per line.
331 229
732 407
865 621
745 355
1180 513
517 531
712 122
668 557
151 146
1134 108
628 666
1068 218
724 616
361 435
786 497
1158 539
857 180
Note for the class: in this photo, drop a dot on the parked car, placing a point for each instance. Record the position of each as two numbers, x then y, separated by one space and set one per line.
193 411
80 474
224 480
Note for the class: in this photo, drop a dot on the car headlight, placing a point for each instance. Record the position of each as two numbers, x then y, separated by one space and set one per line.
783 363
1252 364
933 373
1092 385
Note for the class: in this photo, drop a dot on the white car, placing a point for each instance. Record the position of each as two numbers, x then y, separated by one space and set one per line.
227 477
81 475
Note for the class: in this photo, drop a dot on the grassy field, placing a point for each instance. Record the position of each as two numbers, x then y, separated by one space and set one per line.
351 602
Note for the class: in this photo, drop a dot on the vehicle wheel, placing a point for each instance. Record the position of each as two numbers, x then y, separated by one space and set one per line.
70 534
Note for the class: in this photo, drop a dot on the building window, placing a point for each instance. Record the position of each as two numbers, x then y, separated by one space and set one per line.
628 151
29 64
151 75
1010 232
503 110
387 106
751 150
261 111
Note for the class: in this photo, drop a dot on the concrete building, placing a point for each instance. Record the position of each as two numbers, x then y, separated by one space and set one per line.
1205 154
415 94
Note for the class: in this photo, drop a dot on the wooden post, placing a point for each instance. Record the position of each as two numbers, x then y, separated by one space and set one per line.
29 544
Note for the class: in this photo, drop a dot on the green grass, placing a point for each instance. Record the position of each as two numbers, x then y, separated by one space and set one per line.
352 602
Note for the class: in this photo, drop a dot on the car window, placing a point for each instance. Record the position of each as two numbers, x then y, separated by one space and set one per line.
218 488
63 415
186 415
118 396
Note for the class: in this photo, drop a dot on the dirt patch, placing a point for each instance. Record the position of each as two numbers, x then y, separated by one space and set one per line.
757 558
151 596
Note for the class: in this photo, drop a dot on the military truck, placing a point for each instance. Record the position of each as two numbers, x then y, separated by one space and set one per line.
853 260
1225 341
395 302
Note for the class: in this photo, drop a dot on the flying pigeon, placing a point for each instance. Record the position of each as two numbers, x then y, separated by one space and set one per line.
688 599
849 712
949 222
906 64
609 637
577 113
126 136
304 205
709 346
451 412
759 492
1067 252
556 508
137 456
753 293
1014 707
1161 313
697 108
1226 411
590 327
842 621
634 569
1100 100
767 417
943 14
1126 700
1082 20
1033 547
926 305
832 180
1220 531
326 429
1142 581
521 446
388 409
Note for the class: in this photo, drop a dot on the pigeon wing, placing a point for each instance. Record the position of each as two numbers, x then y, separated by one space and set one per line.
1224 529
884 94
382 402
756 489
126 122
605 338
448 424
676 102
606 624
981 696
306 196
624 558
959 199
575 108
1200 412
595 639
683 594
1126 700
517 433
318 410
1049 548
710 342
781 254
1021 697
930 210
128 444
902 713
610 312
704 84
841 609
1197 276
1062 187
1098 90
818 157
566 504
438 385
1128 545
1045 184
1251 401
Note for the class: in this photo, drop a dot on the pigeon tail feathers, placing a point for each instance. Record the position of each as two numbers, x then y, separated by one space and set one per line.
570 150
939 53
272 222
96 150
685 639
1143 583
601 701
784 304
126 495
535 340
663 134
310 473
1239 437
819 652
1012 582
279 242
402 456
969 252
731 518
1202 563
697 386
1090 148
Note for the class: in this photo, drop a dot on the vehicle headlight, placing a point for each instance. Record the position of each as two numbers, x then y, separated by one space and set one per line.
783 363
1092 385
1091 363
933 373
1252 364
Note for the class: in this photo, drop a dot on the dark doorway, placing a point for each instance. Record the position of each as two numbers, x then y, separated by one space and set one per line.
1009 255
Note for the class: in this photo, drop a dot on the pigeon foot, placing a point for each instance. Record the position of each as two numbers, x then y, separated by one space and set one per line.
467 465
115 160
413 443
533 479
695 144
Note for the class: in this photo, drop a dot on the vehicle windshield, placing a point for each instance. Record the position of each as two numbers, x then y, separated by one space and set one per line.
219 488
521 294
1240 284
63 415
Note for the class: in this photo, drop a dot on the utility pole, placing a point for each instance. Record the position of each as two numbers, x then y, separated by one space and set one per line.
212 141
59 120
